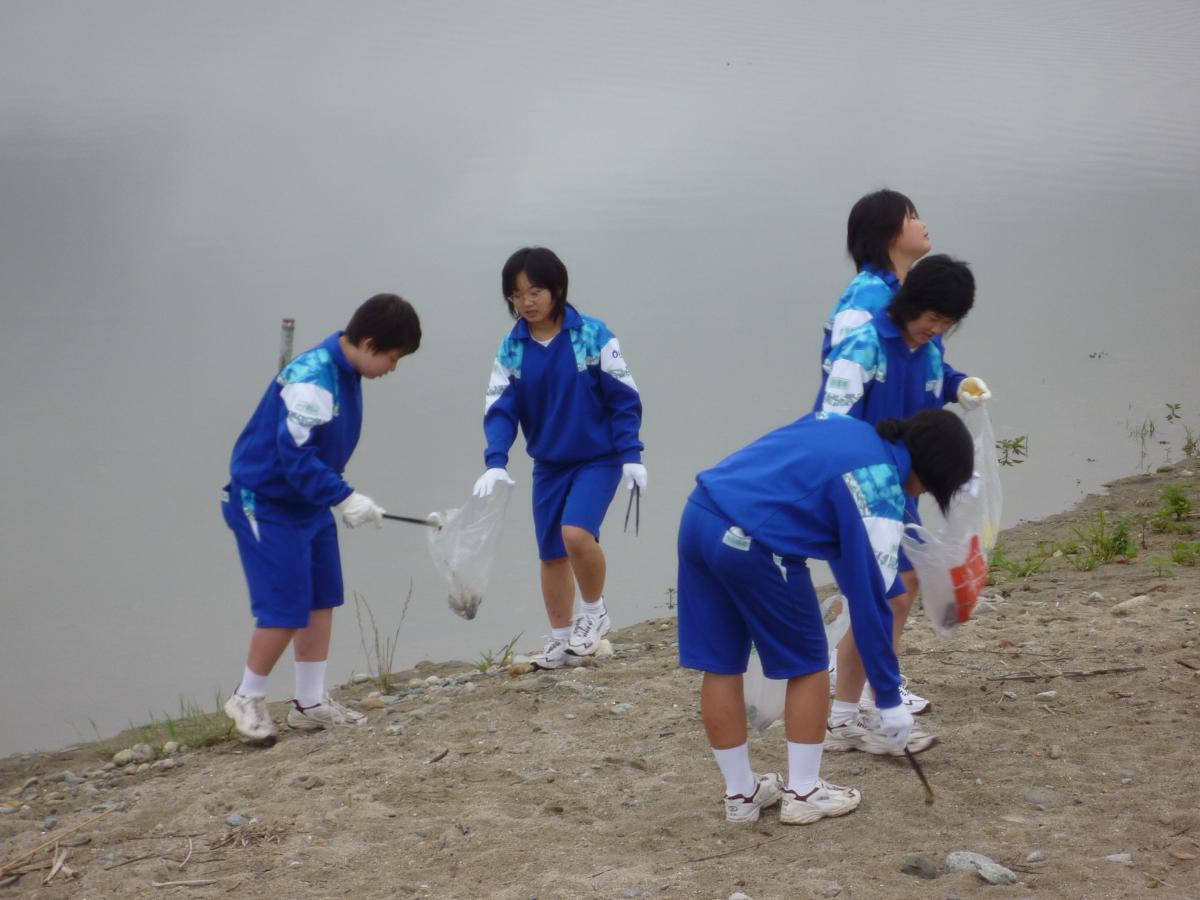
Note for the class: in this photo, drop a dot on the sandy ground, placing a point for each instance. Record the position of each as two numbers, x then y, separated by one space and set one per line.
598 782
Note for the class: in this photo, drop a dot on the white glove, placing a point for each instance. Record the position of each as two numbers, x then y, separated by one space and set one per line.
488 480
358 509
895 723
973 392
634 473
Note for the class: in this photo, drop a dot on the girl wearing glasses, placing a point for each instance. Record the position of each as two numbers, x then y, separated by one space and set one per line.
560 376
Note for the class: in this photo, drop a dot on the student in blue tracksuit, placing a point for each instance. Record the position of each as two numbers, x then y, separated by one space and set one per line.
285 475
560 376
885 237
892 366
825 487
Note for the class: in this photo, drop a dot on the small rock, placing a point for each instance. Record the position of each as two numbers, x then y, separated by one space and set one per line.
619 709
123 757
165 763
371 703
55 797
67 777
1123 608
170 747
1126 858
979 781
470 686
1046 695
237 820
1164 468
110 859
633 892
1056 751
1040 797
432 680
29 782
738 895
492 729
856 770
1127 775
144 767
1010 695
605 649
920 866
360 678
308 782
415 682
989 870
569 716
665 626
142 752
393 730
1095 597
1035 856
50 824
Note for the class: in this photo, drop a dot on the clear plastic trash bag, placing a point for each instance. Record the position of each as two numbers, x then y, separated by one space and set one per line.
765 696
950 552
464 547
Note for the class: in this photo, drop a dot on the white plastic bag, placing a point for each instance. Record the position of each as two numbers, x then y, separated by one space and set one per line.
950 552
765 696
464 547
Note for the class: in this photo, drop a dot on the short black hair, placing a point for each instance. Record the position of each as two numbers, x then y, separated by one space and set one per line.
942 450
937 284
543 269
875 221
389 321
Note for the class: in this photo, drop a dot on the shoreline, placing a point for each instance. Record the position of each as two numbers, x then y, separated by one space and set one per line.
1066 710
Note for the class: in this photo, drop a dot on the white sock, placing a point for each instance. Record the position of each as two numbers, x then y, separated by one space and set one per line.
804 767
561 633
592 609
253 684
842 711
310 682
735 766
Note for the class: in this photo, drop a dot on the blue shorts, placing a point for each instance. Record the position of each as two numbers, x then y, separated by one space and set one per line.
572 494
292 566
732 592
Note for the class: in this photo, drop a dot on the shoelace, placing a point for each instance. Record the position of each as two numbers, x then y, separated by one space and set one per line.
584 626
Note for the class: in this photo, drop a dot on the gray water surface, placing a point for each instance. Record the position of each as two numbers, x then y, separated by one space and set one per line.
176 178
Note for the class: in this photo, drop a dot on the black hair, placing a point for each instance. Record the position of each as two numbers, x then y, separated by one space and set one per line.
875 221
937 284
389 321
543 269
942 450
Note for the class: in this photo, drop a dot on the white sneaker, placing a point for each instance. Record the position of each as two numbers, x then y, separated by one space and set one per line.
325 714
250 716
552 656
914 703
767 790
825 801
585 636
862 733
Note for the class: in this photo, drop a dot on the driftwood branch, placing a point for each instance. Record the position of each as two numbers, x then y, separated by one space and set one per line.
54 840
1080 673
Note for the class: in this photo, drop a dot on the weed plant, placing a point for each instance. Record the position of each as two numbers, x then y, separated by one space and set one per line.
1103 542
382 651
1185 553
501 657
193 727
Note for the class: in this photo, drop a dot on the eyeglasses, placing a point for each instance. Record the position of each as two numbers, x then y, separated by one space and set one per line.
534 293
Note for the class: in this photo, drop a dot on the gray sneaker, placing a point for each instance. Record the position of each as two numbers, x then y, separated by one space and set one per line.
326 714
862 733
250 716
767 790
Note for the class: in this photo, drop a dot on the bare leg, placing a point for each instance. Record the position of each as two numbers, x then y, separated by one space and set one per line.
587 561
558 591
806 708
312 643
266 646
851 674
723 710
902 605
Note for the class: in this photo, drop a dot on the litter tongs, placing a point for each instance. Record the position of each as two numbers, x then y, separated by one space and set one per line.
635 499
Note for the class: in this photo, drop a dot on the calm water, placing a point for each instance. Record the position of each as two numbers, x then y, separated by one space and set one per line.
174 179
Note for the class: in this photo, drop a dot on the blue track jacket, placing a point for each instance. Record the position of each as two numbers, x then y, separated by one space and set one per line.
289 459
826 487
574 399
873 375
868 294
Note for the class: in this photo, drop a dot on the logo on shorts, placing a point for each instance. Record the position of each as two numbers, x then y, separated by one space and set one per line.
736 538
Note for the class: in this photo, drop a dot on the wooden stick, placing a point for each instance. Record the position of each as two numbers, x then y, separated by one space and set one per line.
189 854
60 858
54 840
196 882
731 852
1081 673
